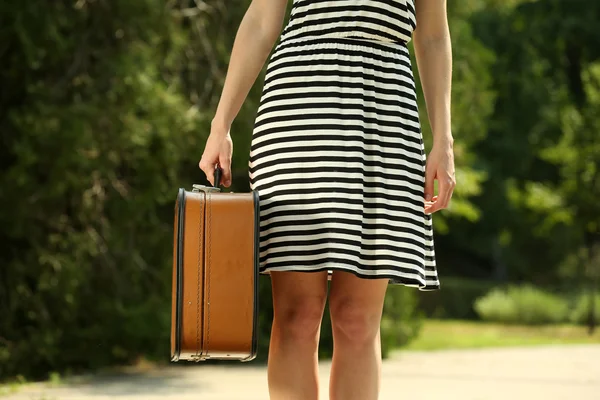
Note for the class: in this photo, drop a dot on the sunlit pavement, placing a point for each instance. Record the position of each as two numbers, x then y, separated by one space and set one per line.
532 373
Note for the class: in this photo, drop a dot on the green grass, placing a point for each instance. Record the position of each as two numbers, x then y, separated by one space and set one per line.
452 334
12 387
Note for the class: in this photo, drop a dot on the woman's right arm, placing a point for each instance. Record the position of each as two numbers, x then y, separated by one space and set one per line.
254 40
258 32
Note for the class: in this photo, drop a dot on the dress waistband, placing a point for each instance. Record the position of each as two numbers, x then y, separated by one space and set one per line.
398 46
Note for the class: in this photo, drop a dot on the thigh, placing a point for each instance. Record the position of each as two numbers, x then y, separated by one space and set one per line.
298 293
356 301
345 286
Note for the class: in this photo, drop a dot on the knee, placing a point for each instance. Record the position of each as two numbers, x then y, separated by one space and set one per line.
353 322
301 320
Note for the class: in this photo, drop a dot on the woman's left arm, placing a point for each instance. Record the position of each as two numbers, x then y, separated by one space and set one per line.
433 51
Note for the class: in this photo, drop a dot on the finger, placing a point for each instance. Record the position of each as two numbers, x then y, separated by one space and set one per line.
208 171
226 166
429 204
429 179
443 190
429 209
450 185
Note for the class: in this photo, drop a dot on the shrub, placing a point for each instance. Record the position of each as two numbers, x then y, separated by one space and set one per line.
581 310
94 135
523 304
402 320
455 300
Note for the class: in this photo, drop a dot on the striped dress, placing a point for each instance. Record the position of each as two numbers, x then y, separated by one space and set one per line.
337 155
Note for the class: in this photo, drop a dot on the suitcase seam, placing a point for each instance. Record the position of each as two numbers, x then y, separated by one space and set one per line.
199 280
208 266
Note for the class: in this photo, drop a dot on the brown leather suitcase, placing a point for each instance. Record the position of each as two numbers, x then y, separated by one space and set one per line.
215 275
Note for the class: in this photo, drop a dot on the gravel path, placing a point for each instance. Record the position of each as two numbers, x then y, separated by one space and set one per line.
548 373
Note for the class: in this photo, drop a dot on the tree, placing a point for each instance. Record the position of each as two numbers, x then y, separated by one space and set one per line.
92 127
542 149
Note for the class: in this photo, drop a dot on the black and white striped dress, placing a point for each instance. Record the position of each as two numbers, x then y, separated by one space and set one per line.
337 155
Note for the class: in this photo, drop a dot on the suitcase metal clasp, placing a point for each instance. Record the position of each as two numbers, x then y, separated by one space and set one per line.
204 188
198 357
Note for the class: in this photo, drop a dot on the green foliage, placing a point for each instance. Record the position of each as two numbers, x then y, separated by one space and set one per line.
541 152
472 103
402 321
99 111
455 300
94 133
580 313
524 304
104 109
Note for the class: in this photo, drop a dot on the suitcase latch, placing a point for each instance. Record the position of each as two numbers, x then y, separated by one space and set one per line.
198 358
204 188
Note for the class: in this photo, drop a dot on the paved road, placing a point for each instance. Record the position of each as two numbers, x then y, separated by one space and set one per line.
532 373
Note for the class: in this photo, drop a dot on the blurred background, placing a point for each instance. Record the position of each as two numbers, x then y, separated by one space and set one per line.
105 106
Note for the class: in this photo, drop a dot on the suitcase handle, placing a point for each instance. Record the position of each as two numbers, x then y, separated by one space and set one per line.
215 187
218 173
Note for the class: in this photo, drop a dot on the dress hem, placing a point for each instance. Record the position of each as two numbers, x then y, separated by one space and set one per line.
393 279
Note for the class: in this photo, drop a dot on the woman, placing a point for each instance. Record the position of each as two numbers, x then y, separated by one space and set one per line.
337 158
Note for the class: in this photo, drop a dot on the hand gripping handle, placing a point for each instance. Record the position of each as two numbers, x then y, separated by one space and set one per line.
218 174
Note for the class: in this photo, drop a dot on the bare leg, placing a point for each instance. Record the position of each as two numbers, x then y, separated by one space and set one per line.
356 306
298 304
